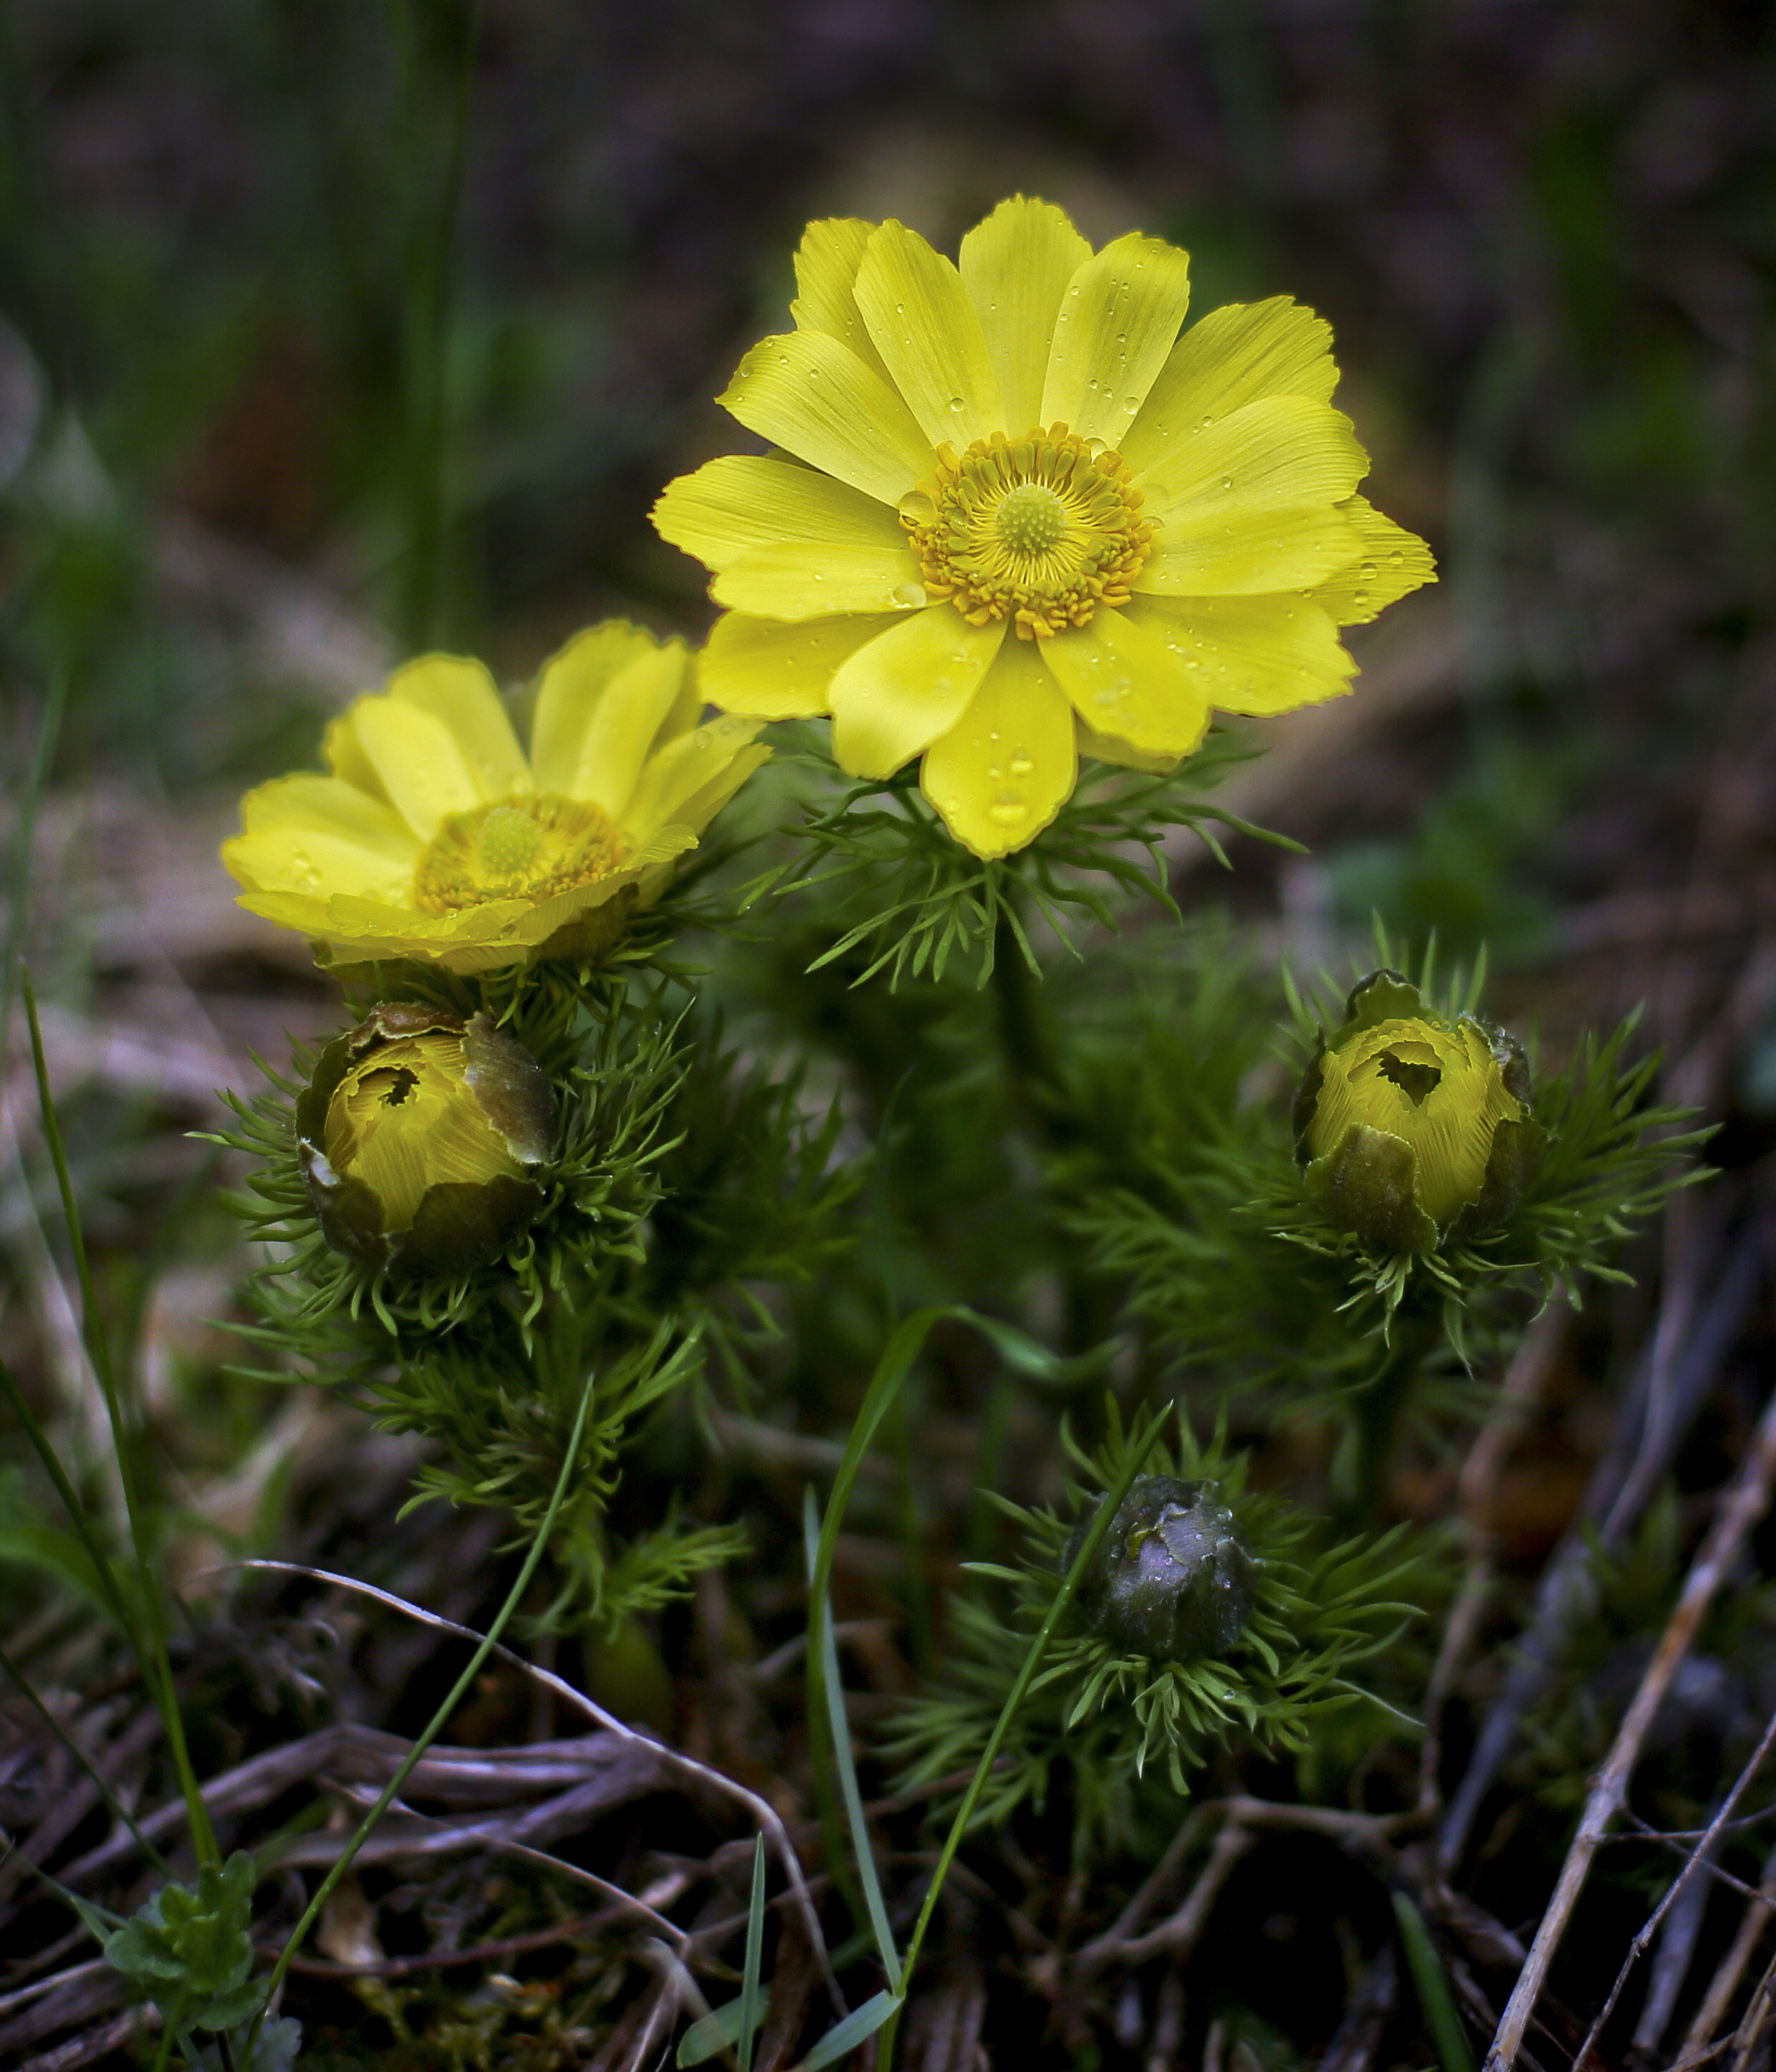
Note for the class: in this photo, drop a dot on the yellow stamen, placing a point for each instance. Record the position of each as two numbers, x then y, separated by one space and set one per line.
1040 530
530 847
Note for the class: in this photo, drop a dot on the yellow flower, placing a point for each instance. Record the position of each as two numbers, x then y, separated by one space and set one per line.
1015 518
420 1136
436 837
1410 1128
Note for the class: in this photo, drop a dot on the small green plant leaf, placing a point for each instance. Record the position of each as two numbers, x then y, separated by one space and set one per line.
857 2027
190 1949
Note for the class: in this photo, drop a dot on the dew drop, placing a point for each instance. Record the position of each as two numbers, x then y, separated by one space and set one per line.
955 403
911 594
1021 764
1226 482
996 771
1008 809
1395 558
1367 572
917 507
1131 404
1207 420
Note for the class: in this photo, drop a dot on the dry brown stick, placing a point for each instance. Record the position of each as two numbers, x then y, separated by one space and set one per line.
761 1809
1525 1379
1178 1934
1741 1506
1695 1858
1731 1970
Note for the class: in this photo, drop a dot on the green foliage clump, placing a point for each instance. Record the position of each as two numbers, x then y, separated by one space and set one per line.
189 1949
1321 1611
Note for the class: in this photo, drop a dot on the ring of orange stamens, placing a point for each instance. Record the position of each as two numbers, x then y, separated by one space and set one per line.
1040 530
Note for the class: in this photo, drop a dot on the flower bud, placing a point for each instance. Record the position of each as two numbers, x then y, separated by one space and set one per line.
1172 1578
1414 1130
420 1136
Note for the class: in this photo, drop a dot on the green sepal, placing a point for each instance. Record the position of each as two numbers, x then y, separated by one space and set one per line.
1368 1184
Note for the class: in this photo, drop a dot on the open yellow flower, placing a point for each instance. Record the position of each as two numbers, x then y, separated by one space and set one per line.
436 837
1017 518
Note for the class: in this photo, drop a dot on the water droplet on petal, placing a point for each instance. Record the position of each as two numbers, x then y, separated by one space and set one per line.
955 403
911 594
1021 764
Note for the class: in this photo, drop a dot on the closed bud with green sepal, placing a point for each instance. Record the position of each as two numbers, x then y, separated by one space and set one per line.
421 1137
1414 1130
1172 1578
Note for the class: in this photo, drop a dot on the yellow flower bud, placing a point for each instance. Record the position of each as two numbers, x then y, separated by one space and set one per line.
420 1136
1412 1129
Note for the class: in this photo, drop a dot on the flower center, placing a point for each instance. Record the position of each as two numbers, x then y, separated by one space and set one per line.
530 847
1040 530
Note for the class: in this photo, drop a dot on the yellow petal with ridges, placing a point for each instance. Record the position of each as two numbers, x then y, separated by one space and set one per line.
420 761
770 670
1009 765
1280 455
459 693
925 328
677 774
806 581
343 754
570 687
1125 680
623 727
826 274
808 393
1390 563
1237 355
1016 266
1117 321
301 832
1229 548
1106 748
892 699
737 504
1259 654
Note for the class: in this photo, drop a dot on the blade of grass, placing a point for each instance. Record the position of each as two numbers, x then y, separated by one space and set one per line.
113 1805
49 728
820 1617
435 1725
156 1659
76 1510
1140 1444
1440 2015
750 2008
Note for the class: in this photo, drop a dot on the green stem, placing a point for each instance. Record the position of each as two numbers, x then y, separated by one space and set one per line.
157 1658
49 728
458 1690
1141 1445
1378 1410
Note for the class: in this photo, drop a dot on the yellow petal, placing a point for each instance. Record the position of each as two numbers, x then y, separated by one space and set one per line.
929 337
1254 654
743 502
826 274
1126 680
344 756
1008 766
769 670
1225 547
1237 355
716 754
1016 266
1278 455
569 688
806 581
622 727
1390 561
420 761
307 833
893 698
1118 318
808 393
1106 748
461 694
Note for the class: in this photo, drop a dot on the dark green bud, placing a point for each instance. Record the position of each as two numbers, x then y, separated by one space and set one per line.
1172 1578
421 1136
